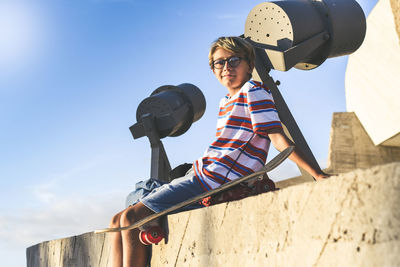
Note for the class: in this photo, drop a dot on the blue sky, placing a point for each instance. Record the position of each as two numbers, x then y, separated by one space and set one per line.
71 76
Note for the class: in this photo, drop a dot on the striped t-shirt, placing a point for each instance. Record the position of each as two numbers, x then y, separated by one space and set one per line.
247 115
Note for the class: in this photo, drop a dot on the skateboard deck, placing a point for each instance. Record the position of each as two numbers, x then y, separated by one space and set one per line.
272 164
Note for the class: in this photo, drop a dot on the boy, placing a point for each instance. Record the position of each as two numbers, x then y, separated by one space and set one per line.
247 124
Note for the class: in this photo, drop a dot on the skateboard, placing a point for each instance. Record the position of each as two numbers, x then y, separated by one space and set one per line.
272 164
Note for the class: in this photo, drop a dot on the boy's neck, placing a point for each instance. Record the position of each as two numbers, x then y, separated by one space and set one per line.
233 91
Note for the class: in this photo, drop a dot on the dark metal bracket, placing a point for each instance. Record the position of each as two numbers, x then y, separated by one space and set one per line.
160 166
262 68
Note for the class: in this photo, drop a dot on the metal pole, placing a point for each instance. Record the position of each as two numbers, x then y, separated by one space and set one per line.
262 67
160 166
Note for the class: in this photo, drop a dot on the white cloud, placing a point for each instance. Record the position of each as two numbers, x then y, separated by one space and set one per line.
59 218
67 203
83 175
44 193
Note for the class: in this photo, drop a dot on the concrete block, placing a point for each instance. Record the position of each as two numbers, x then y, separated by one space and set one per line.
372 76
351 147
78 251
395 4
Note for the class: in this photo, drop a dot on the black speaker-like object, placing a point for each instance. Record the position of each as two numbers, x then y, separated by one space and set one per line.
169 111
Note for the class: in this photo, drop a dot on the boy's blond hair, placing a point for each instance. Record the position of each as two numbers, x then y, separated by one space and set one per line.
235 45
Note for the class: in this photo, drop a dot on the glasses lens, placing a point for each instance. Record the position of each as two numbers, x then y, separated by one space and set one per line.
234 61
219 64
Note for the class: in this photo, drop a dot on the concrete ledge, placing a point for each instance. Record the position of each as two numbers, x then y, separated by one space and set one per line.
349 220
76 251
372 92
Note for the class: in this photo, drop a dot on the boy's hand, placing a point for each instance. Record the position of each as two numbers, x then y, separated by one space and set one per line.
322 176
281 141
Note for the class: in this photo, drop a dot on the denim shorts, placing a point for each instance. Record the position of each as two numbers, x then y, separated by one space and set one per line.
178 190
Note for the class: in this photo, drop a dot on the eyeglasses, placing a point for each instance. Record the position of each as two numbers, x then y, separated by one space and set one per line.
233 62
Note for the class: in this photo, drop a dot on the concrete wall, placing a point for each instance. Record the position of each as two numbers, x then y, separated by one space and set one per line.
349 220
351 147
77 251
395 4
372 76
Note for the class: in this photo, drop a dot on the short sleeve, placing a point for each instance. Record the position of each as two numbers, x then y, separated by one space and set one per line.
263 113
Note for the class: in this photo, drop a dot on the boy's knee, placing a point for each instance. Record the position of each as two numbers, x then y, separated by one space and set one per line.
133 214
128 217
115 221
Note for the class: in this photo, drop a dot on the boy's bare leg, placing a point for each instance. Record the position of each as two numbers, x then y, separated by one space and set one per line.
134 253
116 242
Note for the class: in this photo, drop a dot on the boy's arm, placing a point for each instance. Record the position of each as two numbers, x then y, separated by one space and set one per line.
280 142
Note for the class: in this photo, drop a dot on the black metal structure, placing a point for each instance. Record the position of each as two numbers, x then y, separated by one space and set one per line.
304 33
301 34
168 111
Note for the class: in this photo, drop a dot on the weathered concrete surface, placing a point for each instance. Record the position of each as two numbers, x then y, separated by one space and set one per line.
395 4
372 75
78 251
349 220
351 147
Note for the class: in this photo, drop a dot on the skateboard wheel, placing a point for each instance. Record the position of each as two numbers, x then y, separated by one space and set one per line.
153 235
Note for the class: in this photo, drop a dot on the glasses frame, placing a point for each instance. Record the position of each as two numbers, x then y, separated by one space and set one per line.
227 60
